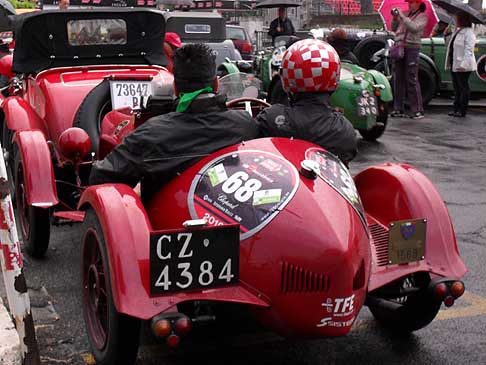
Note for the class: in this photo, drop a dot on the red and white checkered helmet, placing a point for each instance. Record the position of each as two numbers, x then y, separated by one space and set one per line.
310 65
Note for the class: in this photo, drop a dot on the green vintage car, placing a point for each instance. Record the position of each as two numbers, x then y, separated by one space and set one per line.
362 95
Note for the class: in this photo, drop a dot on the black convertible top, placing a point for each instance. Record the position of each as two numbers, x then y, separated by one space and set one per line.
50 39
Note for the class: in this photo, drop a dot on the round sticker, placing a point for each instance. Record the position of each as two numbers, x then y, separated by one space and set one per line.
245 187
336 174
481 69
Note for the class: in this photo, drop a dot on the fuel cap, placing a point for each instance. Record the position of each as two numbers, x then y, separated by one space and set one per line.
309 168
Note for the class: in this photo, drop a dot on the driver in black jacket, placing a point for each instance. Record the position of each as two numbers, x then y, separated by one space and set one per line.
310 70
167 144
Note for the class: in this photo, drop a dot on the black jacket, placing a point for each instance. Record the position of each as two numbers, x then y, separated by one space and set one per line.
286 25
311 118
167 144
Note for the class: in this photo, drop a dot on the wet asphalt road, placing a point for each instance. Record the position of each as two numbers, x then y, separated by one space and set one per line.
451 152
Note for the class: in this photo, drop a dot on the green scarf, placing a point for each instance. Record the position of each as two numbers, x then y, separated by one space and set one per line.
185 99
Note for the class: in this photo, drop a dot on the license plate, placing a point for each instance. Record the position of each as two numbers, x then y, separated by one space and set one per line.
366 105
183 260
407 241
133 94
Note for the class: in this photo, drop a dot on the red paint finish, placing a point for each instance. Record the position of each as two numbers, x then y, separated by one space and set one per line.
20 115
318 237
6 66
403 192
126 229
38 170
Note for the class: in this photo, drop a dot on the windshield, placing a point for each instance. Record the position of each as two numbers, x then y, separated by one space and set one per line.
238 85
235 33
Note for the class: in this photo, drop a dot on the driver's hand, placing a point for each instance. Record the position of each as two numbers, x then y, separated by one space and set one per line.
279 29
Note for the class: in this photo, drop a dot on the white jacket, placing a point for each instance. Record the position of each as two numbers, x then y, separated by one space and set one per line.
463 55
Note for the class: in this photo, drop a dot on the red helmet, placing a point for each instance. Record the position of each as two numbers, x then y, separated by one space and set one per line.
310 66
173 39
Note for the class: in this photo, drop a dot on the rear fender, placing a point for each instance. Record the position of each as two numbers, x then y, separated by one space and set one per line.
20 115
385 93
392 192
36 159
126 228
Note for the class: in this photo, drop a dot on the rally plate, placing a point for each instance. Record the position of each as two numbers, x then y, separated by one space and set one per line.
183 260
407 241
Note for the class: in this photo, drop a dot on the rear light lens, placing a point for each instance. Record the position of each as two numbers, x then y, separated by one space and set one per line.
173 340
440 291
457 289
449 301
161 328
246 47
183 326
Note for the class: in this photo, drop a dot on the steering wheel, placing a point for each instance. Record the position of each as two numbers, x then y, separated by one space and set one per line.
251 105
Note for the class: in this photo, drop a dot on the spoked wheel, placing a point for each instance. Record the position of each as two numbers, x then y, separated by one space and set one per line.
35 227
114 337
416 310
379 128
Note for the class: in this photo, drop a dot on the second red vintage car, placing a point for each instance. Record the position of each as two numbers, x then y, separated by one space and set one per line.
274 227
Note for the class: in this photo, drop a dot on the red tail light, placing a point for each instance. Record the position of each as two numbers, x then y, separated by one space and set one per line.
183 326
246 47
161 328
449 301
173 340
440 291
457 289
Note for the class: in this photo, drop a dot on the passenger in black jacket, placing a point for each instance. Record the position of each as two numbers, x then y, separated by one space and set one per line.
310 70
167 144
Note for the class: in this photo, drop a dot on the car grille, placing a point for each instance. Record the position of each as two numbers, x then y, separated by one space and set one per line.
295 279
379 237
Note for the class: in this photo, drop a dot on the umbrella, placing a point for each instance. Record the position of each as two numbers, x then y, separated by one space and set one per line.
7 5
279 3
443 15
454 7
387 6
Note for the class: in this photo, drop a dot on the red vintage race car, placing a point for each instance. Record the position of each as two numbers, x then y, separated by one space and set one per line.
275 227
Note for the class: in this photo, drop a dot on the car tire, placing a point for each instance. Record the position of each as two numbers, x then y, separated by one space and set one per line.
113 336
366 48
91 112
276 93
416 312
379 128
34 222
428 82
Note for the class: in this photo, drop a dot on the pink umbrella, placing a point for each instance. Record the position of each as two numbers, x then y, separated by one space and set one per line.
388 5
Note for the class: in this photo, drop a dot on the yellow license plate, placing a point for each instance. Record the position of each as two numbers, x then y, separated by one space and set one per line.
406 241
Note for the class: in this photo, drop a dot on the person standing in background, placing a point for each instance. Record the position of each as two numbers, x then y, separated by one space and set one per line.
63 4
461 61
408 32
281 25
172 42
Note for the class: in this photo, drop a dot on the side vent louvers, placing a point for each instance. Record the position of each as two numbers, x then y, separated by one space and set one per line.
295 279
380 241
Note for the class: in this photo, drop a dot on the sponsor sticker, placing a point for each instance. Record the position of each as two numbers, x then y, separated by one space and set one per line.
267 196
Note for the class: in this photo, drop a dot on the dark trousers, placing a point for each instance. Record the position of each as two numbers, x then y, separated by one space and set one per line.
460 80
405 80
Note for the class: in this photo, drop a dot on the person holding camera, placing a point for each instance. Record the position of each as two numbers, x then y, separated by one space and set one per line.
408 30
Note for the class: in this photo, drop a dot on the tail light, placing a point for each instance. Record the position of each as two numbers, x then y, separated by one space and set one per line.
173 340
447 290
246 47
440 291
183 326
161 328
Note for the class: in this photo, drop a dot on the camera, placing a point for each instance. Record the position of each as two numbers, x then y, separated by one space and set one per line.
394 12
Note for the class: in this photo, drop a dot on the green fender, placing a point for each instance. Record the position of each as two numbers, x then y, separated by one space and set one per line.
386 93
230 68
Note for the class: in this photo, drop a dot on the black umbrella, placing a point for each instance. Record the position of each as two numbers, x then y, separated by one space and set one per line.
279 3
455 7
7 5
443 15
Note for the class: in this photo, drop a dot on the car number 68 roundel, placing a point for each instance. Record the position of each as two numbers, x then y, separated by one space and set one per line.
248 188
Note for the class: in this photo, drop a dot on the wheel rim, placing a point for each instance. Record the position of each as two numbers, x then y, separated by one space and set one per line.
22 205
95 293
